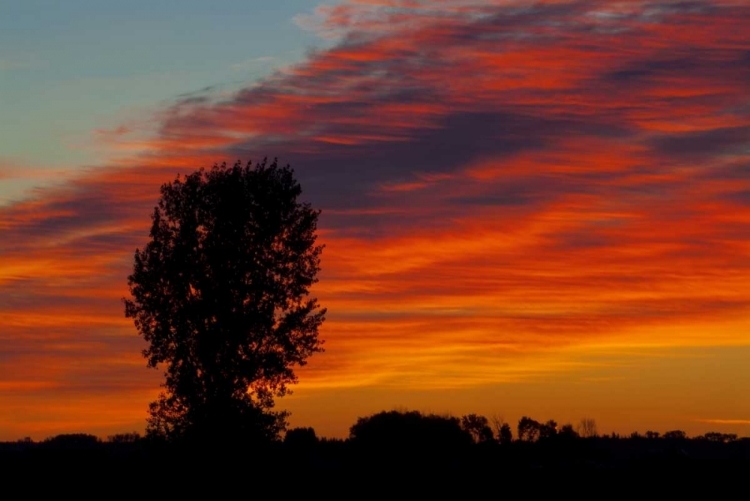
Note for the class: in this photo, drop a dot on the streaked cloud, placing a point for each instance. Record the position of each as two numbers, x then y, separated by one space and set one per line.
499 183
742 422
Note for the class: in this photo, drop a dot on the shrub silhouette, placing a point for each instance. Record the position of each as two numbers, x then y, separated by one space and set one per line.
409 430
301 438
528 429
72 441
478 427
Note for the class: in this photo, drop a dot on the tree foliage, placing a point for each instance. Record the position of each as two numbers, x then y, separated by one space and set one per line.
221 295
301 437
124 438
675 435
528 429
587 427
479 428
73 441
548 429
567 431
713 436
411 429
505 434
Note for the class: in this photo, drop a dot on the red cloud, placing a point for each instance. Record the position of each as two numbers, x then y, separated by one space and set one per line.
497 182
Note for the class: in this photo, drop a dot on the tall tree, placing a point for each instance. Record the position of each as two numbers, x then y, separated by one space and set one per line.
221 295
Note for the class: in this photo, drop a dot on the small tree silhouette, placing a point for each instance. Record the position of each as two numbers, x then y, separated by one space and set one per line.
528 429
478 427
73 441
409 430
675 435
301 438
587 428
548 429
505 434
124 438
567 431
713 436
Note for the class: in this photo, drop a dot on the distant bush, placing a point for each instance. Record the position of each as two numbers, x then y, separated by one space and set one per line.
714 436
124 438
73 441
300 437
411 430
675 435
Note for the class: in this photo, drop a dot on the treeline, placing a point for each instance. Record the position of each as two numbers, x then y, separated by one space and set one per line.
412 432
391 452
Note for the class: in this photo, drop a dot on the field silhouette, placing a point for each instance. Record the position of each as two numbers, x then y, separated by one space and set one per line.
420 453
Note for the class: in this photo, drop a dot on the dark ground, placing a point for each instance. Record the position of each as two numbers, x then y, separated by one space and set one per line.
596 468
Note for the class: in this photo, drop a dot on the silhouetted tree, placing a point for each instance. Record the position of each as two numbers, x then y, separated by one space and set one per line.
587 428
675 435
478 427
528 429
300 437
567 431
497 424
124 438
409 430
505 435
220 293
73 441
548 429
652 434
713 436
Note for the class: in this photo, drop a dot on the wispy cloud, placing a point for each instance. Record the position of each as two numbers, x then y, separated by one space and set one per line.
497 181
742 422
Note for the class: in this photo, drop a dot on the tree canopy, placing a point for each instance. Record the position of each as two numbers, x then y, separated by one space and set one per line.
410 429
221 295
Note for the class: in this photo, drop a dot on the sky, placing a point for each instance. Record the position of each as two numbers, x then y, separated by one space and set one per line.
71 70
528 208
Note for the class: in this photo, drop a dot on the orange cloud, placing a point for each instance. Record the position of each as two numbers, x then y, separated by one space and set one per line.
745 422
504 189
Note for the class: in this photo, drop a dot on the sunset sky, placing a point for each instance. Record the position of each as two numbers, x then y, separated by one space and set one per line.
529 208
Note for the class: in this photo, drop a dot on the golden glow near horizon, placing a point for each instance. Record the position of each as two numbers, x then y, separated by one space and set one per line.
538 211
